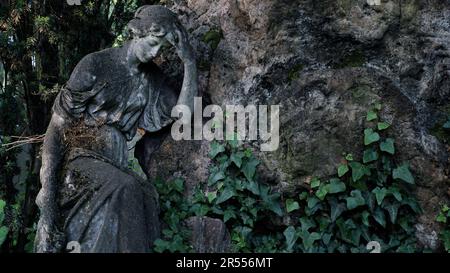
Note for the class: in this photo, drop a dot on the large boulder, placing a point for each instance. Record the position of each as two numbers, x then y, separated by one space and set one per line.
208 235
324 63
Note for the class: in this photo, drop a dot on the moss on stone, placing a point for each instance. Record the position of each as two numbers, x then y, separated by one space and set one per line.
361 94
409 10
203 65
354 59
344 5
441 133
293 73
213 37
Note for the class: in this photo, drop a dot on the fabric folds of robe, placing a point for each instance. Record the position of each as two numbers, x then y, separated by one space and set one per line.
107 209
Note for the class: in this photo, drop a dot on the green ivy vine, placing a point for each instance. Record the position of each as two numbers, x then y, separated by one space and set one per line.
444 218
3 229
367 200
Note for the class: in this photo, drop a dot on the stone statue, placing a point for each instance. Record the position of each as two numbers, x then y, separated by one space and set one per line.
88 195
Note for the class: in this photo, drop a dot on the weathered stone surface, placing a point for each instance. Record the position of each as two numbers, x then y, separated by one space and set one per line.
325 62
208 235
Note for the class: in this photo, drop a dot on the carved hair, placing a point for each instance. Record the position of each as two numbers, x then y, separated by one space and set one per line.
153 19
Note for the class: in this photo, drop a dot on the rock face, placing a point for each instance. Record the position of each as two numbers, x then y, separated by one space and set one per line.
325 63
208 235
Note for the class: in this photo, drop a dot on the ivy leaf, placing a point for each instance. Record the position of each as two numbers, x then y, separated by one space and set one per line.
335 186
365 217
349 232
371 115
380 194
336 209
349 157
223 162
249 168
324 223
342 170
303 195
307 223
403 173
370 155
315 183
412 203
233 140
377 106
226 194
396 193
246 219
214 177
308 239
236 158
445 236
2 214
217 210
388 146
248 152
228 214
216 148
322 192
200 209
355 200
370 199
446 125
178 185
3 233
253 187
271 201
291 205
383 126
358 170
291 237
404 224
326 238
392 209
370 136
379 216
211 196
353 237
312 202
160 245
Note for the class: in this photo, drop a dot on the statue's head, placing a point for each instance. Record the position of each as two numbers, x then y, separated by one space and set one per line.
150 28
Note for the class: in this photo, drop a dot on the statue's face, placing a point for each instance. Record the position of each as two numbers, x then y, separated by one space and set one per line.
148 47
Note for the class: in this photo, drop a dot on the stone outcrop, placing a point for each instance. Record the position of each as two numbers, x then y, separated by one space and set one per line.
325 63
208 235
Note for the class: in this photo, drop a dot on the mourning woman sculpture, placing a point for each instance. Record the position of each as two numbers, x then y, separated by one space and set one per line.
88 195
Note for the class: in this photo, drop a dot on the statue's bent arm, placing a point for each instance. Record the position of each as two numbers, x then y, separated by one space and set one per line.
52 154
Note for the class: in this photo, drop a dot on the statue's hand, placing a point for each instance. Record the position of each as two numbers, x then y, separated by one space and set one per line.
179 39
48 238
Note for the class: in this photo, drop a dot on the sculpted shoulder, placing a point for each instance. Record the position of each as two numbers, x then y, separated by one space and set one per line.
93 65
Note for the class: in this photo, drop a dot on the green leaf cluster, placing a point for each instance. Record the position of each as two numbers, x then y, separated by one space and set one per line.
368 200
3 229
233 194
444 218
174 210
